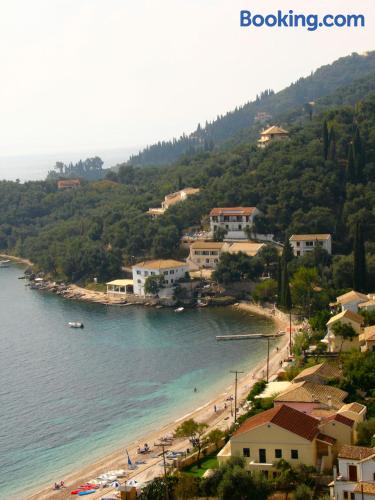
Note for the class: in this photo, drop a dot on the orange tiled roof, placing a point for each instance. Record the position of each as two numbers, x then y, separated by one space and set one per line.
285 417
356 452
340 418
232 211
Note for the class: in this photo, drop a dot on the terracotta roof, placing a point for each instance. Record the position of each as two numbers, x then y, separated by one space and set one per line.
309 392
274 130
323 370
216 245
355 452
309 237
160 264
232 211
326 439
248 248
67 183
285 417
351 296
366 488
353 407
340 418
370 302
368 333
357 318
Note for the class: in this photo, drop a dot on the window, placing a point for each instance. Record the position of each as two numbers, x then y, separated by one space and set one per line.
172 280
239 227
171 271
278 453
138 272
262 455
265 473
146 273
345 494
294 454
274 475
309 243
352 496
152 273
139 281
298 243
246 452
165 273
298 253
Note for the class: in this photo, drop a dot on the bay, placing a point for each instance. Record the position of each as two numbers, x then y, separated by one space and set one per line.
69 396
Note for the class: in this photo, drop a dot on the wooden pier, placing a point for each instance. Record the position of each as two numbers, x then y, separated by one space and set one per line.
249 336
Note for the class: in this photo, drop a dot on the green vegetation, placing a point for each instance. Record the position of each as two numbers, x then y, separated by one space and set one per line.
197 470
194 431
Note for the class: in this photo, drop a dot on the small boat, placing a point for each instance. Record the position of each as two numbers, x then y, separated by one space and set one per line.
179 310
86 492
75 324
4 263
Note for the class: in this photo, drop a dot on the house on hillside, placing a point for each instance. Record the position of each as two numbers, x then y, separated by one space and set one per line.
272 134
172 199
68 184
308 396
333 341
367 339
350 301
304 243
169 271
367 306
206 254
233 220
280 433
355 477
319 374
249 248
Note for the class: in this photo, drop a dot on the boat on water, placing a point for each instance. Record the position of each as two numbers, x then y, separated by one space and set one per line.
76 324
4 263
179 310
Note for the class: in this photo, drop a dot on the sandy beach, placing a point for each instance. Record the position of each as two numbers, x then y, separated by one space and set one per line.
220 419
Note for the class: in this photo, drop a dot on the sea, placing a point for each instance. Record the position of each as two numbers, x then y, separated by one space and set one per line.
68 396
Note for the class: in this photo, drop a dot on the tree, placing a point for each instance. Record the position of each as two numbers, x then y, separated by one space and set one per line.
219 234
153 284
265 291
285 299
194 431
359 268
359 155
325 140
155 490
286 478
345 331
187 487
366 433
350 168
238 484
301 343
215 437
303 492
303 288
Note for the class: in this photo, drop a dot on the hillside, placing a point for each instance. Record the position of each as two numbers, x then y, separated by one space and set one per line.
325 81
89 231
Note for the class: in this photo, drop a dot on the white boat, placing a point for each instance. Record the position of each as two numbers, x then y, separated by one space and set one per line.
75 324
179 310
4 263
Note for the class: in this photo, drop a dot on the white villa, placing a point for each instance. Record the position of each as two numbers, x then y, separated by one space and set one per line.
351 301
304 243
234 220
355 479
171 270
206 254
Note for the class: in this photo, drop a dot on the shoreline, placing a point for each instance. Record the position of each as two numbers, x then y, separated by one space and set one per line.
204 413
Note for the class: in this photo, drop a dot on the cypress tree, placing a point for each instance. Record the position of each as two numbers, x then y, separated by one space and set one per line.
350 169
287 254
359 155
325 140
279 281
332 145
359 268
285 298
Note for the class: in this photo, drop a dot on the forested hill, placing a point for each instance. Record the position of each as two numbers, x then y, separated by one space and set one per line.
322 82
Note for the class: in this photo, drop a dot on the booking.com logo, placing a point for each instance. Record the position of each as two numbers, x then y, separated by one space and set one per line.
311 22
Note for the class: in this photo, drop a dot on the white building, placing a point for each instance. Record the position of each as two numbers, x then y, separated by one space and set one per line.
171 271
356 474
172 199
304 243
351 300
233 220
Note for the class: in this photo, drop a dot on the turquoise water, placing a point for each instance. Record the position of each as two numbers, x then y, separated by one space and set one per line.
69 396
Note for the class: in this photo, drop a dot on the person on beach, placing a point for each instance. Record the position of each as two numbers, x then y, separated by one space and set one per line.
215 409
195 389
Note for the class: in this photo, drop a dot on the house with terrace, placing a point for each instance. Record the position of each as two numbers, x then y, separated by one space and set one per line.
335 342
280 433
234 222
165 272
305 243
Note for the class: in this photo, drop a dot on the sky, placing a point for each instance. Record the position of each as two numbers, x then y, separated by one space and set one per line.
89 75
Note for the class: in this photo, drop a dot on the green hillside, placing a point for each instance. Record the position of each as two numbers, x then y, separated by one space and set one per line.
236 124
92 230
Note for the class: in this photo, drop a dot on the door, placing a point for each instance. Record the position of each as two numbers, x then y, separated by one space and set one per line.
353 473
262 456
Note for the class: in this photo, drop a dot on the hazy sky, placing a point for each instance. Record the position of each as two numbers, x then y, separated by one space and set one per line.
94 74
